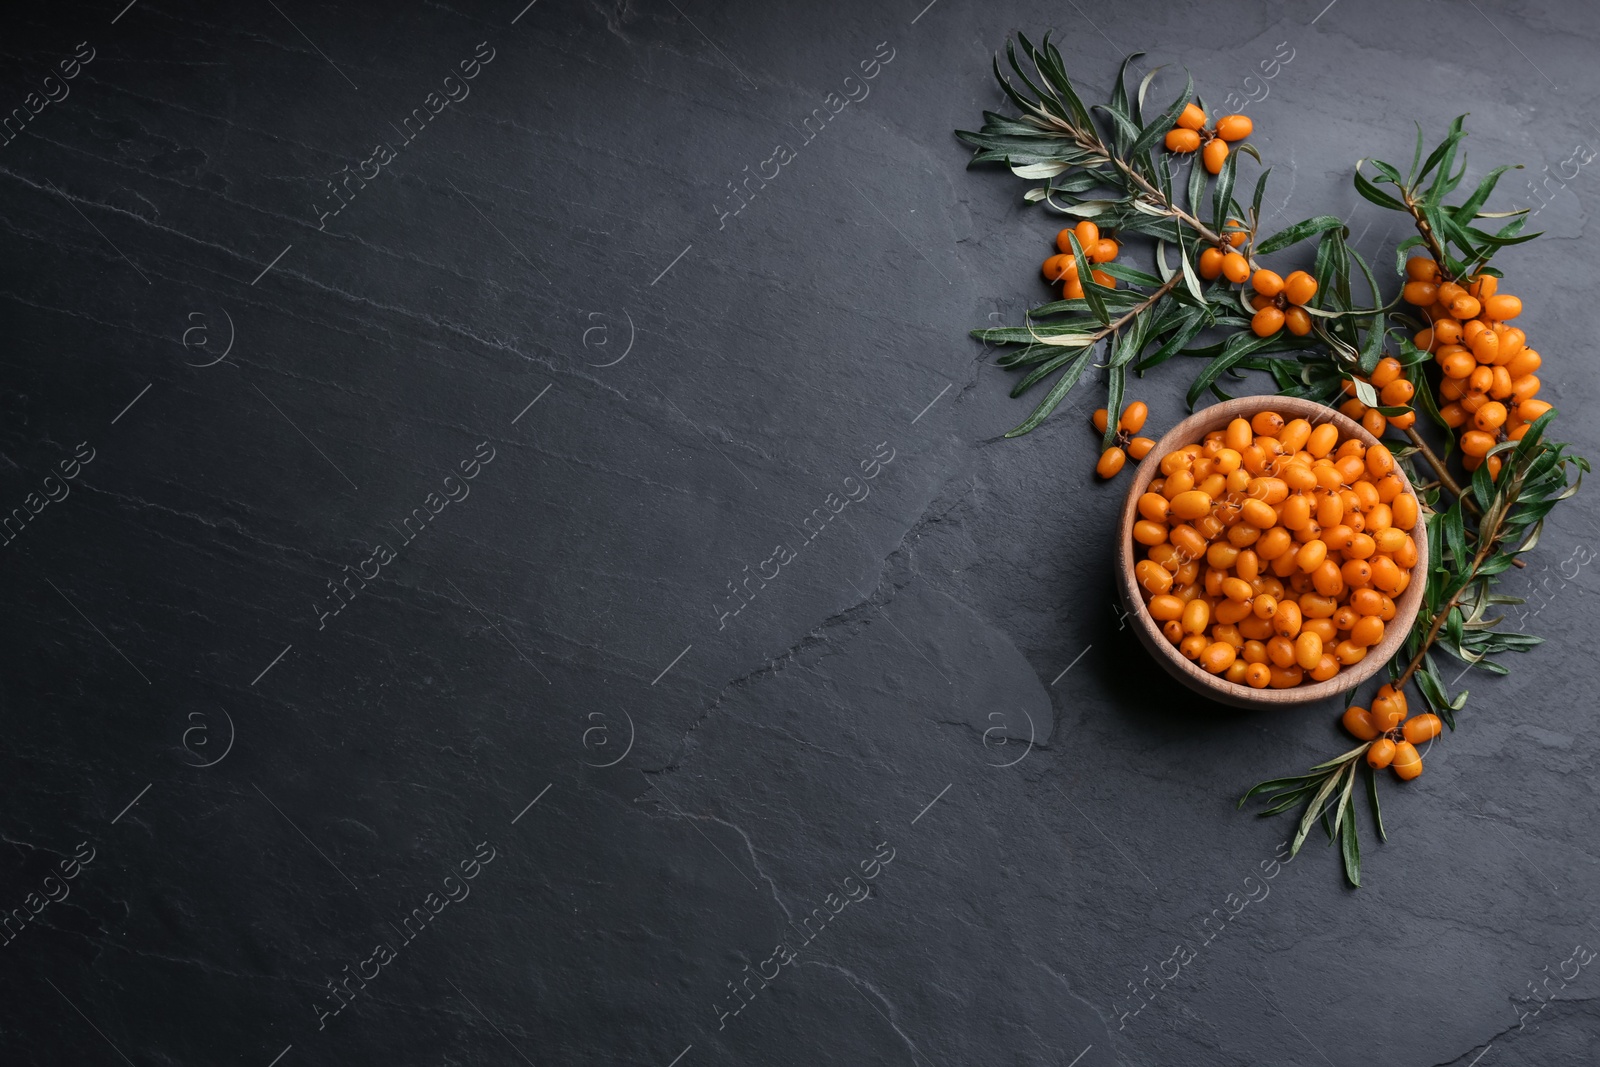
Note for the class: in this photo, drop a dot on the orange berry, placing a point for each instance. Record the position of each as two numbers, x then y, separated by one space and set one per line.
1234 127
1210 263
1105 250
1133 417
1101 418
1111 461
1422 269
1359 723
1299 287
1140 447
1235 267
1214 155
1267 283
1407 762
1059 268
1182 139
1268 321
1298 321
1192 118
1421 728
1381 753
1502 307
1422 294
1087 232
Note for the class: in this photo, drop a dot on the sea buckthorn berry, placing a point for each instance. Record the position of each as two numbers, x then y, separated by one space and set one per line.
1297 320
1380 462
1154 507
1523 364
1397 393
1407 761
1140 447
1447 331
1367 631
1387 370
1165 608
1149 533
1111 461
1299 287
1072 289
1420 729
1196 616
1476 443
1234 127
1233 230
1483 286
1102 278
1425 339
1214 155
1403 421
1058 267
1152 576
1490 417
1087 232
1387 712
1235 267
1308 650
1238 435
1133 417
1267 423
1192 117
1421 294
1172 630
1530 410
1258 675
1381 753
1268 283
1422 269
1375 422
1502 307
1287 677
1453 415
1104 251
1190 505
1264 606
1182 139
1210 265
1359 723
1286 620
1322 440
1193 646
1464 307
1217 657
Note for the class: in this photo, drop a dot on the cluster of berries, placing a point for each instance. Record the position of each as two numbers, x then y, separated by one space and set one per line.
1490 381
1394 737
1130 423
1191 133
1063 266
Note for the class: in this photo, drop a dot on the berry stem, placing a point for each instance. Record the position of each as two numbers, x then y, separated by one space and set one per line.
1435 247
1439 469
1168 206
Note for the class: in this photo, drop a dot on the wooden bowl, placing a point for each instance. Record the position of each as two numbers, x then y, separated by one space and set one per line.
1190 431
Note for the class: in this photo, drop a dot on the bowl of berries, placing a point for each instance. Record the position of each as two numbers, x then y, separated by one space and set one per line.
1271 552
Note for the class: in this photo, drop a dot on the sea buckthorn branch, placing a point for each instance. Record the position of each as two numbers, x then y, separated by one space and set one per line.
1101 165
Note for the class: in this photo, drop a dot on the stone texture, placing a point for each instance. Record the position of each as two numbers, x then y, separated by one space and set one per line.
703 384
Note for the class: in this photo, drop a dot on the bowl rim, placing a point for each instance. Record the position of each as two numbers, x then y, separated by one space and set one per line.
1192 430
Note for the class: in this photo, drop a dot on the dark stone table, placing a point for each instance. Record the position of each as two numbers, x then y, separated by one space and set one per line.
518 562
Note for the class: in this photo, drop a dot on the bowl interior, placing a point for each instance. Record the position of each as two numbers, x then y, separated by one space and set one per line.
1192 430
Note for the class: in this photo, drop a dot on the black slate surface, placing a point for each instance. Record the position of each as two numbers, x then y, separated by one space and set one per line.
610 727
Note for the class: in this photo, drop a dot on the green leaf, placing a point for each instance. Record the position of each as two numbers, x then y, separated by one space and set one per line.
1234 349
1063 385
1165 121
1372 796
1222 192
1372 193
1350 850
1116 380
1468 208
1255 198
1299 232
1091 291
